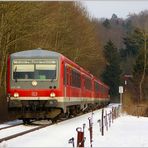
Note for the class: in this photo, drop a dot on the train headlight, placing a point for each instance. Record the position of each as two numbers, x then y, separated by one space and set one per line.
52 94
16 95
34 83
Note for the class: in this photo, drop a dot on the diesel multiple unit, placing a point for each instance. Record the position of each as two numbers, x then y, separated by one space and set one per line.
43 84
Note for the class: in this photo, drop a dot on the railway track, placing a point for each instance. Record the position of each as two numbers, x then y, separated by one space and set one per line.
10 126
31 130
26 131
23 133
13 125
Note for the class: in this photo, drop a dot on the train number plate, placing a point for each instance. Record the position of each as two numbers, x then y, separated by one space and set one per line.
34 94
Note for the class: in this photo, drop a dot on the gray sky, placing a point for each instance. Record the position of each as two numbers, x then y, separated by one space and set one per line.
105 8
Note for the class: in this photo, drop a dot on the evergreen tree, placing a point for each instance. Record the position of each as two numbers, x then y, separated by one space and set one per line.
106 23
133 42
111 75
139 60
140 69
114 16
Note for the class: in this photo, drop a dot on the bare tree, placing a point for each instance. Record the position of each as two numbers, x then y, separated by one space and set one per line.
141 21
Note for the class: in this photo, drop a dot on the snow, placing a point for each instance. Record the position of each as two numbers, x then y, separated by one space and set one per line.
15 130
125 131
10 123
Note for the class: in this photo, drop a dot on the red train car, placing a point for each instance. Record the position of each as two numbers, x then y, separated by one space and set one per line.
42 84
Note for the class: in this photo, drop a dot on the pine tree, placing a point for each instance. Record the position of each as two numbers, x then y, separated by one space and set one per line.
140 71
111 75
106 23
133 42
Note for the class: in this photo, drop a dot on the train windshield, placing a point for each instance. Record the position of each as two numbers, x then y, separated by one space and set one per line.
45 71
40 70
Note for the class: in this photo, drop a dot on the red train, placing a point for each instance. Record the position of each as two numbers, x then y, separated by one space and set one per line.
42 84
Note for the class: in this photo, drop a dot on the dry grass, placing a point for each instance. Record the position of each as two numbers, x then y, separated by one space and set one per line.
133 107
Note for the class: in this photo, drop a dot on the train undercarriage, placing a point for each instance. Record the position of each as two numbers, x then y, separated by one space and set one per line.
47 110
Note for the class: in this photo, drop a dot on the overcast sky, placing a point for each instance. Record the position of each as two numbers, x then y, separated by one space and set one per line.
105 8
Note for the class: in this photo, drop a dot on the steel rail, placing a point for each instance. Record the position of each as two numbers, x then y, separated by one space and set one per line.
6 127
23 133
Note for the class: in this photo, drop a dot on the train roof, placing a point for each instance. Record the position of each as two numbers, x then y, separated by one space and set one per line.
101 82
35 53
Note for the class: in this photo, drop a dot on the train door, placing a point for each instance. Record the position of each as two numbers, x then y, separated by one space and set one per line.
83 86
93 90
68 71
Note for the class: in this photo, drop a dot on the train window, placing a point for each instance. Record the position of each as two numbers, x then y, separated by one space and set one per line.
76 79
65 75
88 84
96 87
23 71
45 71
103 90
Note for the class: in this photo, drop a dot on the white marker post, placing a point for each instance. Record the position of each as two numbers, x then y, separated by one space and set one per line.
121 92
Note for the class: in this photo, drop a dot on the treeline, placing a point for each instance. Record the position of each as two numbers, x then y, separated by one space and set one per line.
64 27
126 48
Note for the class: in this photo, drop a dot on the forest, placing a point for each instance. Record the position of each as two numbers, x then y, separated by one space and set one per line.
113 47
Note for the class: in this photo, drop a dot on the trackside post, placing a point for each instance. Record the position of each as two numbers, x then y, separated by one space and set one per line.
121 97
72 141
102 122
106 121
90 130
80 136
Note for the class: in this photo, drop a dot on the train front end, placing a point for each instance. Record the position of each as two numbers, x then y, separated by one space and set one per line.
33 84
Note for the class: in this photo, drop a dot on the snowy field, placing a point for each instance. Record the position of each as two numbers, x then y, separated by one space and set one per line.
125 131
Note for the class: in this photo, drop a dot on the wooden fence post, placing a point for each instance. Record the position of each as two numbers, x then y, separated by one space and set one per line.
102 122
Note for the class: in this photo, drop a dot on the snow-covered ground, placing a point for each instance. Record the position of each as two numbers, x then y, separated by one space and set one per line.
125 131
7 124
